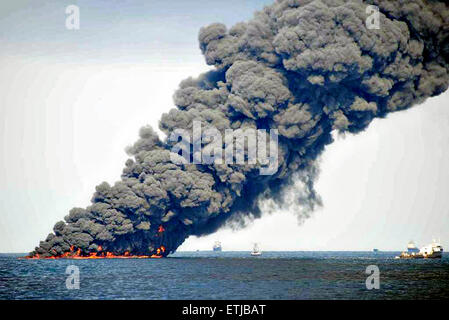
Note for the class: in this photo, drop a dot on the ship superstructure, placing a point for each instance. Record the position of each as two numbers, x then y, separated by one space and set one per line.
411 247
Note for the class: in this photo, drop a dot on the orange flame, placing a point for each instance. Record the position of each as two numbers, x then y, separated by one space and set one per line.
72 254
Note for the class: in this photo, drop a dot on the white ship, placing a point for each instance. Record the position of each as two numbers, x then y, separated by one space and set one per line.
217 246
434 250
256 251
431 251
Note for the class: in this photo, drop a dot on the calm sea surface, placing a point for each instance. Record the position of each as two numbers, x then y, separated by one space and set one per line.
228 275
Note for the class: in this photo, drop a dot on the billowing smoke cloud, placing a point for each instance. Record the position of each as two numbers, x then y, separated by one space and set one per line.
303 67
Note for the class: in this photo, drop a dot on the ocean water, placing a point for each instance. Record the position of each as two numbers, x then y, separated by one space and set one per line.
228 275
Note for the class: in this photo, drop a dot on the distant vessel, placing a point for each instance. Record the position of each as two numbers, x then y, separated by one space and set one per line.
217 246
375 250
256 251
431 251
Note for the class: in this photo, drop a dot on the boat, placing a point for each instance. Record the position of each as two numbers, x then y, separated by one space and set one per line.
256 251
217 246
431 251
375 250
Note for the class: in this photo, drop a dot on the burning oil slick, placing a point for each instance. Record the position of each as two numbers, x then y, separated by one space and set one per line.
305 68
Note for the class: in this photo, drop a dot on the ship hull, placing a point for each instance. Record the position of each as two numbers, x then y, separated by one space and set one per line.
436 255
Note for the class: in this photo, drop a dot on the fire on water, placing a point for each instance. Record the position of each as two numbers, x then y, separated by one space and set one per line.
100 254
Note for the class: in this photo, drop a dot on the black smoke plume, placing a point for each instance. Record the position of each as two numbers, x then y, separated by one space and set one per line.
303 67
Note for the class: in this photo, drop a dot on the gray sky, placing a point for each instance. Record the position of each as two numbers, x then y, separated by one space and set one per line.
71 101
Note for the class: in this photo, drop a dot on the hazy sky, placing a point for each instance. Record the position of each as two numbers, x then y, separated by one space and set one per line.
71 101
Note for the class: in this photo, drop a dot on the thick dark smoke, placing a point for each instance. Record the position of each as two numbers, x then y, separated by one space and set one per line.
303 67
